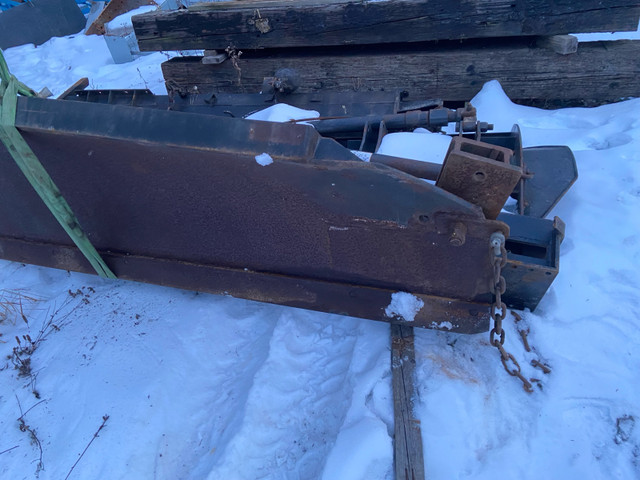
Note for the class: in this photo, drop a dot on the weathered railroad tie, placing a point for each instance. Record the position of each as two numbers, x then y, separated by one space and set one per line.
598 72
282 24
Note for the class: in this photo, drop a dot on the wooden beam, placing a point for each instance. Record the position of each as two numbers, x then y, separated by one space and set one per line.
598 72
408 458
96 9
79 85
305 23
113 9
213 57
562 44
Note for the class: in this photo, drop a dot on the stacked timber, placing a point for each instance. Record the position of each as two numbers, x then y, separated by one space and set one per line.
436 48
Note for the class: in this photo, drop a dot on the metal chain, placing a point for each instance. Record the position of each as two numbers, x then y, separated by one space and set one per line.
546 369
499 309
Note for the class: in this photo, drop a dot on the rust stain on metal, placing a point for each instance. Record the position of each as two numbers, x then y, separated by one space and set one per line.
168 199
479 173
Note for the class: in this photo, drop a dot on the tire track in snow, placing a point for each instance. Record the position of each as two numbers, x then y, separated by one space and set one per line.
170 368
297 402
364 447
224 374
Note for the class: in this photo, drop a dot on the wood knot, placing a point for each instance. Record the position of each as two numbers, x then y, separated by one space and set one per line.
261 24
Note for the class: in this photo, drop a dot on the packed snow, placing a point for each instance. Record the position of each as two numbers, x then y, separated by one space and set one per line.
364 156
60 62
442 325
608 36
421 144
281 112
264 159
404 305
122 23
196 386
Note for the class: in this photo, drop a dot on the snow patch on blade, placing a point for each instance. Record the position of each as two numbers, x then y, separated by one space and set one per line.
442 325
364 156
281 112
264 159
404 305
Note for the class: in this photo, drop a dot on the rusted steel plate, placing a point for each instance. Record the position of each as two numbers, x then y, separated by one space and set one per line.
550 170
480 173
331 297
185 189
179 199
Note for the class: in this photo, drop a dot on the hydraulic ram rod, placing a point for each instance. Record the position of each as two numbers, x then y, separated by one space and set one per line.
417 168
435 118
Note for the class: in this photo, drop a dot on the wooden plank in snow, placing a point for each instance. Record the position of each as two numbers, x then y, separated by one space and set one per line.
407 444
305 23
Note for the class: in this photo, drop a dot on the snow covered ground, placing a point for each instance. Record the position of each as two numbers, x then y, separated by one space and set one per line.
196 386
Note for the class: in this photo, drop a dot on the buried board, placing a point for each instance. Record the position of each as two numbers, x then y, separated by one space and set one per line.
408 458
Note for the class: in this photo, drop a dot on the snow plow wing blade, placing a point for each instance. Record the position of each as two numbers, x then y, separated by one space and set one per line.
262 211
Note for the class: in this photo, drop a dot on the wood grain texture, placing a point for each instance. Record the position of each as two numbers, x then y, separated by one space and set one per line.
408 457
598 72
79 85
278 24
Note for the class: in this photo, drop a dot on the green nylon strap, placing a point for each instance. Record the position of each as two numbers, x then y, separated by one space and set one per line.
6 77
36 173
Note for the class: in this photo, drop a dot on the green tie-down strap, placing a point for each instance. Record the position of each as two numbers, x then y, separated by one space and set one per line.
35 172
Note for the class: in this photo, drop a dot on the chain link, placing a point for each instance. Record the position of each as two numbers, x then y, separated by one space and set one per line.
545 368
498 287
525 341
499 309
